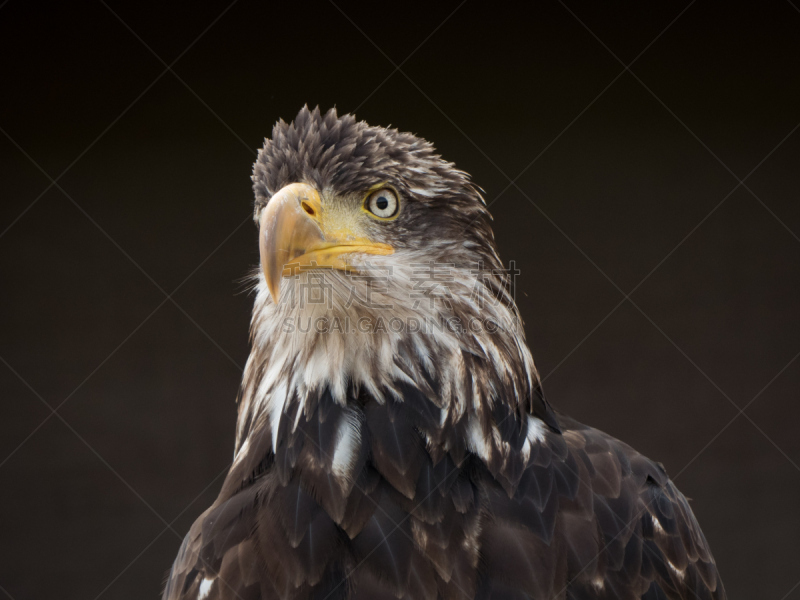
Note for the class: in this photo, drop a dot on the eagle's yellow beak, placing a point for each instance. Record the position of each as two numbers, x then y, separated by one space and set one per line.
293 237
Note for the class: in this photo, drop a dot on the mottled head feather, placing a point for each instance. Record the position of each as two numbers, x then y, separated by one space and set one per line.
342 155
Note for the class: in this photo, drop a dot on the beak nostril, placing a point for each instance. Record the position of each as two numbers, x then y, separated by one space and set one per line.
307 207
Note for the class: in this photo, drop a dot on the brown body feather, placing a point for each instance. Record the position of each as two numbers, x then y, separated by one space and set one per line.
589 518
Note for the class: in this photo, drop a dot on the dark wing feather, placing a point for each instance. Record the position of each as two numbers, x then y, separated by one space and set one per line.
622 527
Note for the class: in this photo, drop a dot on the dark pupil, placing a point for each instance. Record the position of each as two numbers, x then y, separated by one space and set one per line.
382 203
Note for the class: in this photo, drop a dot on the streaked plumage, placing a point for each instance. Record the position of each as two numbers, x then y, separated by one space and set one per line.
418 464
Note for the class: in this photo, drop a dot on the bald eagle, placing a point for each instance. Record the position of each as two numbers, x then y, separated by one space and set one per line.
393 441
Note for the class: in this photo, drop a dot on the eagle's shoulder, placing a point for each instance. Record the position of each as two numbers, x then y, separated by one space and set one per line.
602 520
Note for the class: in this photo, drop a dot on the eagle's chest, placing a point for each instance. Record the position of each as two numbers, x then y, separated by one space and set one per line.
384 497
375 495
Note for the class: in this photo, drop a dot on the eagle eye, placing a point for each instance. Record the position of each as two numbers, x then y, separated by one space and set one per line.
383 203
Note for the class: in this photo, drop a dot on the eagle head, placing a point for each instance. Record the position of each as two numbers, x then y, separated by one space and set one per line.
379 273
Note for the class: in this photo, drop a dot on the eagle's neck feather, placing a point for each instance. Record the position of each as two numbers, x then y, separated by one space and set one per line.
463 371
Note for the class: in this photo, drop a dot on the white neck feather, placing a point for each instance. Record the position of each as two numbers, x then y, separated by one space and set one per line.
325 334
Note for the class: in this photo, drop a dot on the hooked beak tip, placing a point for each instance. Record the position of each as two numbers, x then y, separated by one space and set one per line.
274 290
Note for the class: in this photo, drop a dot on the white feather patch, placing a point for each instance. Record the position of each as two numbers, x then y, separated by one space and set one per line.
276 407
535 430
348 441
205 588
477 441
535 436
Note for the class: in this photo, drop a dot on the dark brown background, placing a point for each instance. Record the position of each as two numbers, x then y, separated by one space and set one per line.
146 385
